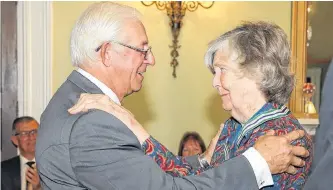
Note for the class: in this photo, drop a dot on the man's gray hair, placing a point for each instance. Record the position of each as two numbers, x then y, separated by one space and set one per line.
263 53
101 22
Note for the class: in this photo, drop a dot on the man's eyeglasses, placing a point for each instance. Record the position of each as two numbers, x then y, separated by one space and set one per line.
146 52
26 133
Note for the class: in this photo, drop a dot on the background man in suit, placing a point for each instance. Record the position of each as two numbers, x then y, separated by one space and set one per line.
20 173
322 167
95 150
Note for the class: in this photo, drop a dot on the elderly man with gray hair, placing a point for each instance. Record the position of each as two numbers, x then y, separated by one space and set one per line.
96 150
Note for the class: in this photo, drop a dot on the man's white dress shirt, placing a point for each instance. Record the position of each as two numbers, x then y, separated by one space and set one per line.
24 167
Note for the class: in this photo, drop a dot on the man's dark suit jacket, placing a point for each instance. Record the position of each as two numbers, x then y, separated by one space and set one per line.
11 174
322 167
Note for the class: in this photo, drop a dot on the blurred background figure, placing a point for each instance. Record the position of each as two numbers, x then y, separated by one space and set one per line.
191 144
20 173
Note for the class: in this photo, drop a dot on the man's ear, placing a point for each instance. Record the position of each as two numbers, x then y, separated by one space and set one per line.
106 54
14 140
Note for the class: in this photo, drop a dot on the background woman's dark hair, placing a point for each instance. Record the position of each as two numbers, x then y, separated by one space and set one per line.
186 137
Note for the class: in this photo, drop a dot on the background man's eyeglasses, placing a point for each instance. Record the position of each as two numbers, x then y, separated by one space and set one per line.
26 133
146 52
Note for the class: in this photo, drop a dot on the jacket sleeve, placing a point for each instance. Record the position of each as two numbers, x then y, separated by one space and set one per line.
168 162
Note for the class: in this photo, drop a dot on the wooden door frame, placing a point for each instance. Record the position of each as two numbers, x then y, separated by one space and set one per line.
299 56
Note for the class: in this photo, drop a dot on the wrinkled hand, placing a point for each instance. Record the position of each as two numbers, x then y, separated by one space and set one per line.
104 103
33 178
279 154
208 154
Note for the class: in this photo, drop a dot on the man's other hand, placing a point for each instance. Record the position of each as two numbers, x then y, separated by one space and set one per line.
33 178
279 154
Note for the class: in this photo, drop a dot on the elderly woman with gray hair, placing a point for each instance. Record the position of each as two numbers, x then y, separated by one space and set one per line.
251 74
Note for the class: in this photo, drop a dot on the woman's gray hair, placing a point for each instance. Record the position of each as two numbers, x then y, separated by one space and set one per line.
101 22
263 54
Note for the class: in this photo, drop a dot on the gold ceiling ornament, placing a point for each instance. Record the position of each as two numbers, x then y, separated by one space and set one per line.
176 11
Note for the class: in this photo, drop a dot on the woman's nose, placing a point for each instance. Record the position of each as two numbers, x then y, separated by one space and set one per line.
216 81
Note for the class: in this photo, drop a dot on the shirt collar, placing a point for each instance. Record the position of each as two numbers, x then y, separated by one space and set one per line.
268 112
23 160
106 90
